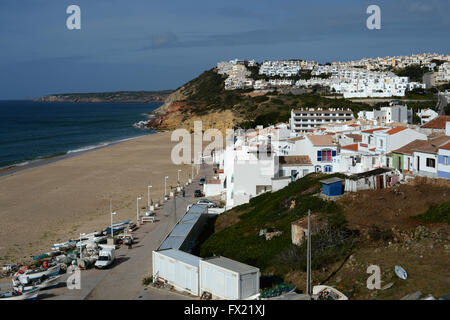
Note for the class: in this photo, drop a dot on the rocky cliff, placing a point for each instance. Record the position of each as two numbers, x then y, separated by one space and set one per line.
119 96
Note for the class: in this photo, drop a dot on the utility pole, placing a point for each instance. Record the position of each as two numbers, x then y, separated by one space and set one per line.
175 211
308 256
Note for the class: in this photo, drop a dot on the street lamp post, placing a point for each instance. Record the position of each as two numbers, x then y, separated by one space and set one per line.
137 209
148 200
179 170
192 174
112 230
81 247
165 185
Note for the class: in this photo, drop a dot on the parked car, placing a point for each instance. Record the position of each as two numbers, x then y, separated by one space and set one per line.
209 203
198 193
202 181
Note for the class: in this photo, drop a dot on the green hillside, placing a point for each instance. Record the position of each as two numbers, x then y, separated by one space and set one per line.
271 211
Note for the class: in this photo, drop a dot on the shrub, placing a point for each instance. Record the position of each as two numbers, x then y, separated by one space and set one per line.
439 213
147 280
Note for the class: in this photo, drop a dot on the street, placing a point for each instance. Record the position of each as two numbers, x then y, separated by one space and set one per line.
123 280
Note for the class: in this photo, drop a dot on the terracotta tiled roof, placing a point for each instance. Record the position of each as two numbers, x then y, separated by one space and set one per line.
409 148
355 137
299 160
297 138
373 130
437 123
445 146
395 130
321 140
427 146
353 147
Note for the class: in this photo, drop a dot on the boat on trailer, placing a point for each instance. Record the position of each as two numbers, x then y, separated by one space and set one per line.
18 295
42 283
30 275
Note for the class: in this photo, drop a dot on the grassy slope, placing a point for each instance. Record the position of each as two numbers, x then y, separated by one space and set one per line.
241 240
206 94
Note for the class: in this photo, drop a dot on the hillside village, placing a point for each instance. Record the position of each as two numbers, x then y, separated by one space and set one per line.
268 159
363 78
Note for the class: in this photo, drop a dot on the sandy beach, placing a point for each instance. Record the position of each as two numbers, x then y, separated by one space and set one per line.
56 201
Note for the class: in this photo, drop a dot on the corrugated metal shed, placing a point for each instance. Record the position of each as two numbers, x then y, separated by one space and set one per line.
182 256
190 218
181 230
183 235
177 268
224 278
198 208
232 265
171 243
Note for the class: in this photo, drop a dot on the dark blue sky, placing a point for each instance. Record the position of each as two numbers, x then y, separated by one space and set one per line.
152 45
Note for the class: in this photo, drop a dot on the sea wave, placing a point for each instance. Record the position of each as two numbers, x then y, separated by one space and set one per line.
70 152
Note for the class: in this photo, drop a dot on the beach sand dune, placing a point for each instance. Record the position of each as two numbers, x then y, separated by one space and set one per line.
54 202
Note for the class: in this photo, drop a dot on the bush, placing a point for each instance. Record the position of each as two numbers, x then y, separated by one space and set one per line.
327 246
147 280
439 213
241 241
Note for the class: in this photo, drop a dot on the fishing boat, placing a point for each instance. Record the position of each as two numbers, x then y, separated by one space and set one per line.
97 239
328 293
15 295
30 275
64 246
42 283
117 227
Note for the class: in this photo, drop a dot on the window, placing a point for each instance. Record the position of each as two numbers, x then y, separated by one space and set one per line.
446 160
328 168
325 155
431 163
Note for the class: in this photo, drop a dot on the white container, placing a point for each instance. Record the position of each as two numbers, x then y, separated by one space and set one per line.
228 279
177 268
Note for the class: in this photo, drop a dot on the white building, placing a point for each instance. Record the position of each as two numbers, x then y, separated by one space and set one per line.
426 115
227 279
303 120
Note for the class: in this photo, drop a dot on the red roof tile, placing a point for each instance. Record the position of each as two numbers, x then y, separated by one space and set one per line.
437 123
372 130
445 146
353 147
395 130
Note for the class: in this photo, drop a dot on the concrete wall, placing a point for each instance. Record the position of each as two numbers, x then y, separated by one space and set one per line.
444 170
212 189
420 161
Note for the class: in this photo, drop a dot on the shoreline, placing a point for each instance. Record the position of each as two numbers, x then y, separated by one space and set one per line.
57 199
41 161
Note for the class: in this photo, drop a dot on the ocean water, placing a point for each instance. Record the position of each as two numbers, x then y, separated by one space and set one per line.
30 130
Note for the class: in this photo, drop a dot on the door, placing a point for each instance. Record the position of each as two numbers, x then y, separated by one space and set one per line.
418 163
399 163
409 163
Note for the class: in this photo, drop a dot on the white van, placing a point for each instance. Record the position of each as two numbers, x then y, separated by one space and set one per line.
106 256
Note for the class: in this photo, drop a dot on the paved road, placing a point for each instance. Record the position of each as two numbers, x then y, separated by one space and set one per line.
124 279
